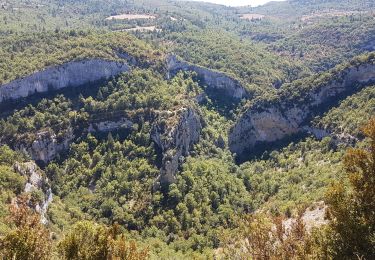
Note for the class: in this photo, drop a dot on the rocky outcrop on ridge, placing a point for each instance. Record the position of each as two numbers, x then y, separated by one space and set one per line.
270 121
214 80
175 140
313 217
46 145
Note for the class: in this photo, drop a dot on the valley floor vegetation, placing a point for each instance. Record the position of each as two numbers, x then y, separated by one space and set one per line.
98 197
348 234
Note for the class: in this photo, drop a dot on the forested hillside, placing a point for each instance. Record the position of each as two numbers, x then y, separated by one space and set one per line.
186 130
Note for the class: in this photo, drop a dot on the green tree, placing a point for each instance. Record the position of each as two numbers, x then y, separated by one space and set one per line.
352 209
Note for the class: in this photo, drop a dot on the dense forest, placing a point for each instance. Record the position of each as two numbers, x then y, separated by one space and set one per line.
139 165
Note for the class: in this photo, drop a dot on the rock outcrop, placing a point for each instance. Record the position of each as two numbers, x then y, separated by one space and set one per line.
36 181
46 145
318 133
214 80
267 122
70 74
313 217
108 126
175 140
174 135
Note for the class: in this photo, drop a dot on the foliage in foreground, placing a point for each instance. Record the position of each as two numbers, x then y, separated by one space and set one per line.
88 240
263 237
29 239
352 211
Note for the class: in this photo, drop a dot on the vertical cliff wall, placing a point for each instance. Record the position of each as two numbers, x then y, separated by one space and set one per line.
214 80
46 145
267 122
36 181
175 141
70 74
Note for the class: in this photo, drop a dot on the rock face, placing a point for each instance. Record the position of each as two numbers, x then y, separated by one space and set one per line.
316 132
214 80
36 181
268 122
174 139
108 126
70 74
31 171
47 145
175 142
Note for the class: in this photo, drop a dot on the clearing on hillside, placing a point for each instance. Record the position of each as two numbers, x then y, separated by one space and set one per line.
252 16
143 29
130 17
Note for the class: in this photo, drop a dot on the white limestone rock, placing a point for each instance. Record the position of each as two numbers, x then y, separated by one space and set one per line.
213 79
36 181
268 123
70 74
46 146
176 141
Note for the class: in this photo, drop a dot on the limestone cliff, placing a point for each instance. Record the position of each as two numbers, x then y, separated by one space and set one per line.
36 182
70 74
214 80
46 145
175 139
269 121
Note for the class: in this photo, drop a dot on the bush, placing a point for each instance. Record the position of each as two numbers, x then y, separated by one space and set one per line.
90 241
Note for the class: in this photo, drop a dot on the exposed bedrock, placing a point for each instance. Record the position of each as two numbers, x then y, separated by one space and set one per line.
214 80
47 145
110 125
174 137
70 74
175 142
36 181
267 122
